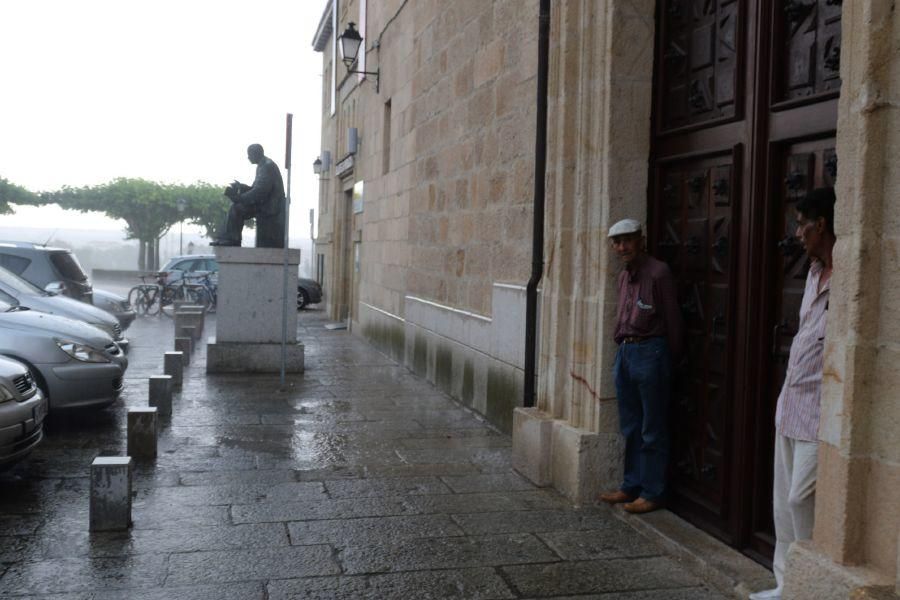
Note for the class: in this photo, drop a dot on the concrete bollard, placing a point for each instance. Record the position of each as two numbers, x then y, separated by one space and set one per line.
110 493
142 432
190 316
188 331
173 364
185 345
161 393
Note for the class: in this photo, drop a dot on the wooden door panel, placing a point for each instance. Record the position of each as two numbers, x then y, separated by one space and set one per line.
800 168
808 36
700 82
696 206
745 95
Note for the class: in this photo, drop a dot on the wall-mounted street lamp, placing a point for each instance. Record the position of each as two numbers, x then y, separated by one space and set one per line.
350 43
322 163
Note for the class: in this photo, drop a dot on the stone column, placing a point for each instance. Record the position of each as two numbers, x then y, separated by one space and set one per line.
857 510
599 145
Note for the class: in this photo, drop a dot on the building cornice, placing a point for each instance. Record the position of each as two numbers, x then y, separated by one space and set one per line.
325 29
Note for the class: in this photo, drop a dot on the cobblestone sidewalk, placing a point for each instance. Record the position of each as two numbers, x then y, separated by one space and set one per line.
358 481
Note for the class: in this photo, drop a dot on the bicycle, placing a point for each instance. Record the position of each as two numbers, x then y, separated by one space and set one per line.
210 290
185 292
145 296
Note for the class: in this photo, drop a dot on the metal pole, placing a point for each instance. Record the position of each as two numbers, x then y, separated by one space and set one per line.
180 238
287 211
540 173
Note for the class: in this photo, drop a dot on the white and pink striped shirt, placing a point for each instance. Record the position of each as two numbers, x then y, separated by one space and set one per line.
797 415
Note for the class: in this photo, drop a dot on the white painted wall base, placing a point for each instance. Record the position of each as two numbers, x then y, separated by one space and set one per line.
475 359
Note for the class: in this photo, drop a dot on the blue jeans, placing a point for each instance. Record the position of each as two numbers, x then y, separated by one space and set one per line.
642 374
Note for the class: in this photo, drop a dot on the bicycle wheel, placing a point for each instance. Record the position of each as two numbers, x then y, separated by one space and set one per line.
197 297
167 300
136 300
151 299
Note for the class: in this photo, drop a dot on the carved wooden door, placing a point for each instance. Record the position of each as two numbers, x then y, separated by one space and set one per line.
743 121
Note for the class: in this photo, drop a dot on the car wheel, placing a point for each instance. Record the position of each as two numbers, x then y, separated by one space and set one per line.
302 298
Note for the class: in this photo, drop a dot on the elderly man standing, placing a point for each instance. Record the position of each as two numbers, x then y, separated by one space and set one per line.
649 332
797 415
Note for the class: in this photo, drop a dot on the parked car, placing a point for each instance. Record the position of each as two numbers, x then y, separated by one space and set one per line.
58 271
16 291
308 290
116 305
23 408
74 364
192 264
52 269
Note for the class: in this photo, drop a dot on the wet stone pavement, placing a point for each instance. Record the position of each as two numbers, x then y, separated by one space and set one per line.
358 481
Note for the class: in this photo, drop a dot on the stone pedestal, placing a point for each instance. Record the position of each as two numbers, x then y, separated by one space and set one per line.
110 493
249 312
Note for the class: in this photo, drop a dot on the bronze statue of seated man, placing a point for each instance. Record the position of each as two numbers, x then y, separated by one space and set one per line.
264 200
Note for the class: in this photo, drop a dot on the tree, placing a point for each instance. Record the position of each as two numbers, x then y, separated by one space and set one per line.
148 208
11 193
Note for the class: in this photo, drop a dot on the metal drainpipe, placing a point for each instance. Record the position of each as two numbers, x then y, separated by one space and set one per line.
540 174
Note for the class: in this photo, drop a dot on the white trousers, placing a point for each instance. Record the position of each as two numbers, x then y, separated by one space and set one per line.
793 496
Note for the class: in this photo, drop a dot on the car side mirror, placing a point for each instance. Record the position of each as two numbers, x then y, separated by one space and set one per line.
55 287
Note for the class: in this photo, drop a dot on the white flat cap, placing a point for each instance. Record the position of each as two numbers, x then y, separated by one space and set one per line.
624 227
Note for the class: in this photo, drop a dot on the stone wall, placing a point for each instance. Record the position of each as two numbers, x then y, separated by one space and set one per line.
857 511
446 159
599 136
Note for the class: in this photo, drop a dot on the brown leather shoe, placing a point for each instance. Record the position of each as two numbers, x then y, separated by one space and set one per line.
642 505
616 497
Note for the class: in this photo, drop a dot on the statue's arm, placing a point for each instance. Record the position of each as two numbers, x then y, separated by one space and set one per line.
262 185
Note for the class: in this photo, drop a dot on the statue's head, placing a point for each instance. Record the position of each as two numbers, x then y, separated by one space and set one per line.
255 153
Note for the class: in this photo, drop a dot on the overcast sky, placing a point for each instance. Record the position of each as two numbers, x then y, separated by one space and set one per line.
170 91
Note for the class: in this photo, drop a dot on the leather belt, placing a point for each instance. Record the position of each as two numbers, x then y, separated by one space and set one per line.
636 340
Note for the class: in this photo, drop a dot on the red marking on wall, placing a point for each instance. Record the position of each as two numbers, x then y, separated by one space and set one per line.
584 381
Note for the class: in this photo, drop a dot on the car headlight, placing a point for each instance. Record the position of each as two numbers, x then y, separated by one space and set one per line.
125 305
5 394
82 352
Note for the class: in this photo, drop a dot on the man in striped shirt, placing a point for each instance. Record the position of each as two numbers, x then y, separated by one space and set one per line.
797 415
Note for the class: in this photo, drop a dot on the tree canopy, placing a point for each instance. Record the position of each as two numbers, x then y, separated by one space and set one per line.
11 193
148 208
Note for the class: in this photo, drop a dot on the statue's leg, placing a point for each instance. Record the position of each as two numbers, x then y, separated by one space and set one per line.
234 225
270 231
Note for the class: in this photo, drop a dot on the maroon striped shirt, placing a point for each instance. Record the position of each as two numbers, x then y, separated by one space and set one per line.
797 415
648 304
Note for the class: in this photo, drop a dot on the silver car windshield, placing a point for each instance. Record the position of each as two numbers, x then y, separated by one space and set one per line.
12 280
